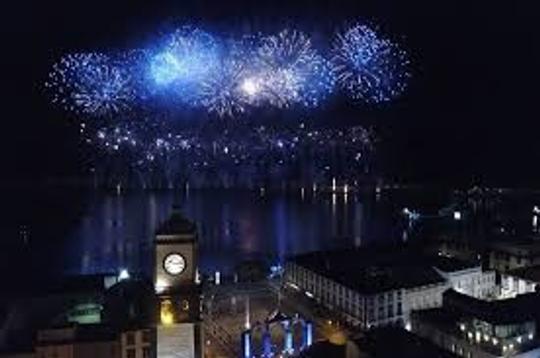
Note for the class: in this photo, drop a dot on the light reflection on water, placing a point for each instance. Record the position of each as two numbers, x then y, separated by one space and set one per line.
117 230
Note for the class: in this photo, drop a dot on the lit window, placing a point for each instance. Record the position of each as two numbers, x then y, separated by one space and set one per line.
167 315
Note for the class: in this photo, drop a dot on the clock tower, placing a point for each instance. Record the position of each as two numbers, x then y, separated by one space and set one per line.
175 255
175 281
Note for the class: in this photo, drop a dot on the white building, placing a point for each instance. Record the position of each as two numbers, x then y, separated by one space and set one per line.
520 281
512 254
368 290
468 279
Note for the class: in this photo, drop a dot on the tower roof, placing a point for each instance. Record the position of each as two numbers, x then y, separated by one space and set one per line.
176 224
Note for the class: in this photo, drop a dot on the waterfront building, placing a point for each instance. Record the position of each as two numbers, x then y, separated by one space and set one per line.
376 289
467 277
469 327
509 255
519 281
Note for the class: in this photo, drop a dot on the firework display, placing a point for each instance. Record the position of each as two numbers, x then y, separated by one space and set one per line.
164 157
178 70
91 83
128 104
370 68
191 68
293 70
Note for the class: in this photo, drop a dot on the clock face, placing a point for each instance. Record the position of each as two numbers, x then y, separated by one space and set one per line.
174 264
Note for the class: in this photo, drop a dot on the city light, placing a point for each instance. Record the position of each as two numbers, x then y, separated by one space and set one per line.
123 275
161 285
478 337
166 313
294 286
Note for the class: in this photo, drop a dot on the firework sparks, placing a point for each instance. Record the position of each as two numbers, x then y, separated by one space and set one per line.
370 68
90 84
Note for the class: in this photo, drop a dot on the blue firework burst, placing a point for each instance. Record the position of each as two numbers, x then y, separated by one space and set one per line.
189 56
368 67
90 83
294 72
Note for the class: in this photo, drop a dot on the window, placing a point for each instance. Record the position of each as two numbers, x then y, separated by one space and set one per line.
381 313
130 338
399 309
146 336
146 352
131 353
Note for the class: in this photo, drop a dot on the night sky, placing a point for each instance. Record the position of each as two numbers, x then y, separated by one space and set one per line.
470 115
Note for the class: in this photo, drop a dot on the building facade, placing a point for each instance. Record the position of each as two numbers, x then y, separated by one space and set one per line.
77 342
389 304
137 343
377 291
469 279
469 327
520 281
510 255
179 331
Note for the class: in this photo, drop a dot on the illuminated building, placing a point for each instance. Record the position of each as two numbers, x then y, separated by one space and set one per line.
467 278
520 281
277 321
363 289
469 327
512 254
371 289
178 332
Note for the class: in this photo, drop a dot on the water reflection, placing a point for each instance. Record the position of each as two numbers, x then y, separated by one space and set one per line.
116 231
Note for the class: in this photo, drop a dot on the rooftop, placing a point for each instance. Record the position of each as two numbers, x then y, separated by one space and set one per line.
450 264
370 273
76 333
514 310
522 246
531 273
394 341
176 224
449 321
380 342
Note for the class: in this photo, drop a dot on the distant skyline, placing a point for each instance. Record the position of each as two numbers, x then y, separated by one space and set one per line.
471 112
